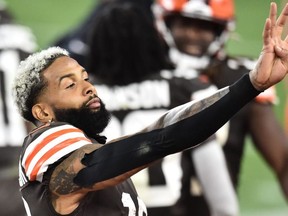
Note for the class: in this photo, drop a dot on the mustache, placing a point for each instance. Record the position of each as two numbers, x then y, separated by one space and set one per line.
90 98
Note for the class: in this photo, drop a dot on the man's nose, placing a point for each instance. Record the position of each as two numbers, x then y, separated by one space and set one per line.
90 89
192 31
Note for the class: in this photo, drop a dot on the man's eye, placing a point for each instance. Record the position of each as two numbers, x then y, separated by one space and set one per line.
87 79
70 86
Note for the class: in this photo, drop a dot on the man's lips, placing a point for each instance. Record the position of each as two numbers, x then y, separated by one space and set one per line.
94 103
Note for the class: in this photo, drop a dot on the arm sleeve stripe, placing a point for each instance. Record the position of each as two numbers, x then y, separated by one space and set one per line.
39 139
57 156
49 154
49 146
44 142
40 145
54 143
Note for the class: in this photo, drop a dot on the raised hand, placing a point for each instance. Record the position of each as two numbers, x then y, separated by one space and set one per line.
272 65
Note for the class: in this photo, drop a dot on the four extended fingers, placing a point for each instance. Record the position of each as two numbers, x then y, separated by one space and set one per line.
274 26
277 24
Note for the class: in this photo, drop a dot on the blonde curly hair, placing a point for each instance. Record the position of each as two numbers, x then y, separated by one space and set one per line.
29 83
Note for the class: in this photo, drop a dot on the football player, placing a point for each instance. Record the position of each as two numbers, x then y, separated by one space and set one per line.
196 32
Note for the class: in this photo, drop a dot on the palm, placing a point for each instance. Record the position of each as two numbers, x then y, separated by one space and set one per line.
272 65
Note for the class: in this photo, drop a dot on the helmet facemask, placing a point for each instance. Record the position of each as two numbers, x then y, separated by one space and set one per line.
213 14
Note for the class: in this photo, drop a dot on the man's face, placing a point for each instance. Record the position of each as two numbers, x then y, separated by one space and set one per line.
68 85
192 36
70 97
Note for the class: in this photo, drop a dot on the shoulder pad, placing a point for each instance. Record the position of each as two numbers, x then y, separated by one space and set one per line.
15 36
50 143
236 63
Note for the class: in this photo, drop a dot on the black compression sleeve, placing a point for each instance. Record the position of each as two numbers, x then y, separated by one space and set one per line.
140 149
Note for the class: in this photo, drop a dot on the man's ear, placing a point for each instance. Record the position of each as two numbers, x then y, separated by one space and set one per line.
42 113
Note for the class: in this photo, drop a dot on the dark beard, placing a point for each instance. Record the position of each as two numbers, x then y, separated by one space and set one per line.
91 122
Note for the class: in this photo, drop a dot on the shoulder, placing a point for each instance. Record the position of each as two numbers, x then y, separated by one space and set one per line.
241 62
225 71
54 129
17 37
47 144
195 88
205 88
232 68
196 81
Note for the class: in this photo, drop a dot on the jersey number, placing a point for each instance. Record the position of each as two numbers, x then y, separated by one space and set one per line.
128 202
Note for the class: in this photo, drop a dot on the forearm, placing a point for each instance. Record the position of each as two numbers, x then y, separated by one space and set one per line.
192 125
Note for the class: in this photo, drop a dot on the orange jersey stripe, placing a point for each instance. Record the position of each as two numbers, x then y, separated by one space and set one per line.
51 152
44 143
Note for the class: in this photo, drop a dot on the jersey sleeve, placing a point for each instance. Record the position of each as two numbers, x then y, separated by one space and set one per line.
51 145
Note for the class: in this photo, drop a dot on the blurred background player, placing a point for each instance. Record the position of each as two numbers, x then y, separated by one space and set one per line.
136 79
75 41
187 26
16 43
